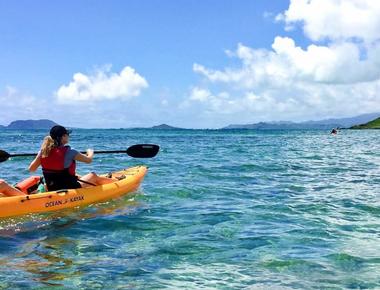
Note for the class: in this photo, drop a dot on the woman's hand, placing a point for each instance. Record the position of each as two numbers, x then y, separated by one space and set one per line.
90 153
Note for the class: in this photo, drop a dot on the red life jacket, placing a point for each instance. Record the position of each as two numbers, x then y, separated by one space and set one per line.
55 162
56 175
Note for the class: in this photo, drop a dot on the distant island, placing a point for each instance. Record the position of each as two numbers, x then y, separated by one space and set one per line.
30 124
165 127
322 124
374 124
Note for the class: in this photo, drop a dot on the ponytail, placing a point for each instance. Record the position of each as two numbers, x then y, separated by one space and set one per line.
47 145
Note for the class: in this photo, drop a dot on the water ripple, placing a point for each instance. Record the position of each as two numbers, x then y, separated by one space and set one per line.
218 209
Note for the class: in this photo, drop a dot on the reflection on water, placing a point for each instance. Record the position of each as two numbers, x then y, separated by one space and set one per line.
43 251
45 259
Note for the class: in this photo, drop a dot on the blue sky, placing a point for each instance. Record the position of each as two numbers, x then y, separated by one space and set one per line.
193 64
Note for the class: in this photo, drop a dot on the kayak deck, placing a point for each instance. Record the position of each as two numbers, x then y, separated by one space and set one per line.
69 198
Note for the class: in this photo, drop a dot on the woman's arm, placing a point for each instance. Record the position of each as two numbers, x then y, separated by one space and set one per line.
35 163
85 158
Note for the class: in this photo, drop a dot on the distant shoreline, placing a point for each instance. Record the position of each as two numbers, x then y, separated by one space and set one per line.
365 121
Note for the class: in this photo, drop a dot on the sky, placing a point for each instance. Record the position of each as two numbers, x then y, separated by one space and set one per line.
188 63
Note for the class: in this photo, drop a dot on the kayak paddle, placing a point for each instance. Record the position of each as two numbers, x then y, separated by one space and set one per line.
135 151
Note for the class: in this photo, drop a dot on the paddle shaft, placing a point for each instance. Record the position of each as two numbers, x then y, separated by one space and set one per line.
83 152
135 151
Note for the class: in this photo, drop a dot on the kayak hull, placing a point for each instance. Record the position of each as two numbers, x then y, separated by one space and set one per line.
70 198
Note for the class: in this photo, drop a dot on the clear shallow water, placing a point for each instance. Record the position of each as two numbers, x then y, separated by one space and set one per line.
218 209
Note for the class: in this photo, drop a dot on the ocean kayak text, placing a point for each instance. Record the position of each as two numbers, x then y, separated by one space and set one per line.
61 202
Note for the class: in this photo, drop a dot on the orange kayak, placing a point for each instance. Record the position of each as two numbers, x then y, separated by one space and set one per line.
69 198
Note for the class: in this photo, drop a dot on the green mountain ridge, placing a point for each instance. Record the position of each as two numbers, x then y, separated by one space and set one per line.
374 124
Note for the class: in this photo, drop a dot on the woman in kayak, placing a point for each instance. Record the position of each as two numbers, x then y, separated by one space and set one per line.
8 190
58 163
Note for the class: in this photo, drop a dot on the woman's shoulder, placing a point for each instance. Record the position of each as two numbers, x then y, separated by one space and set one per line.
69 149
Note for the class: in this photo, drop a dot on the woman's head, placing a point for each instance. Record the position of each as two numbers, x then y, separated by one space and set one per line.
58 136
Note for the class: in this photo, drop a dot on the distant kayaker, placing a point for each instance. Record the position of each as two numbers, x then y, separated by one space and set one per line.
334 131
8 190
58 162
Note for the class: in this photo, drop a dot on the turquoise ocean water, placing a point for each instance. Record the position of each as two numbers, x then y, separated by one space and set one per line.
218 209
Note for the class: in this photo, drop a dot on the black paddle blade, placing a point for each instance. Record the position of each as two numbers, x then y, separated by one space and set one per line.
4 156
143 150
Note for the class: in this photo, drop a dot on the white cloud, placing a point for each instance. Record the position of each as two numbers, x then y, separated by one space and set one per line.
199 94
338 78
18 105
102 85
13 98
338 63
292 83
335 19
299 101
